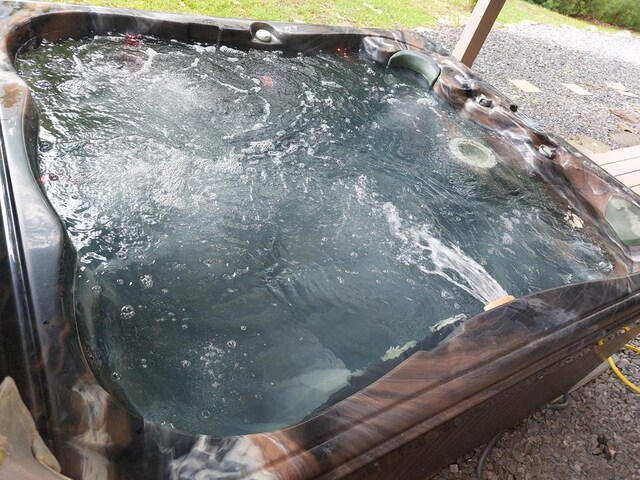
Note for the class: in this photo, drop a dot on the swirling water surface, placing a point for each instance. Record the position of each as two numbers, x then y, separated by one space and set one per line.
253 229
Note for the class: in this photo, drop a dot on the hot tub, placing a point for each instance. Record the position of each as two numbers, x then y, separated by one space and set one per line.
293 287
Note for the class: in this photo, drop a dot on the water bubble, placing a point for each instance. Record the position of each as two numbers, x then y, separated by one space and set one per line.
185 363
127 312
243 327
116 376
231 344
121 254
143 361
147 281
45 146
185 326
206 414
120 281
97 289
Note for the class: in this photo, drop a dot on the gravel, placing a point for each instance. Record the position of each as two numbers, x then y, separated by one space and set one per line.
566 444
549 56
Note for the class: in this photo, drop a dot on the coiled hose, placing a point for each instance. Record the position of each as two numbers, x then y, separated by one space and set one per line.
617 371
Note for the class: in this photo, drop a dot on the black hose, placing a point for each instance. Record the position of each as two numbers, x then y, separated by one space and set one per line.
566 401
485 453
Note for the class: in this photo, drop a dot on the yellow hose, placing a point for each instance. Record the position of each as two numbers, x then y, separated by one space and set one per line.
617 371
619 374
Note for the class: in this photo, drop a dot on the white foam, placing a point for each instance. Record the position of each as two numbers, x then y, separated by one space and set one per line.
151 54
231 87
433 257
448 321
396 351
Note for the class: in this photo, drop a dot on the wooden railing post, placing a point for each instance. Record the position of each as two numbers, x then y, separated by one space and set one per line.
475 32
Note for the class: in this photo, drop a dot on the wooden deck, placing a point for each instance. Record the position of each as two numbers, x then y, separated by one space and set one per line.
624 164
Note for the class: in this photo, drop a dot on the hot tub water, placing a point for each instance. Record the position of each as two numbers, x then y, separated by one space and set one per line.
253 228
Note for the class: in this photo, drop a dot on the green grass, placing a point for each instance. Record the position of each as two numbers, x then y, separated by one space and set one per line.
515 11
370 13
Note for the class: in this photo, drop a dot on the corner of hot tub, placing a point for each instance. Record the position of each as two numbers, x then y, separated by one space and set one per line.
33 237
38 331
495 369
588 191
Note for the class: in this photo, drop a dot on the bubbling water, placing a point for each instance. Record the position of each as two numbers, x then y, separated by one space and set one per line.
253 229
433 257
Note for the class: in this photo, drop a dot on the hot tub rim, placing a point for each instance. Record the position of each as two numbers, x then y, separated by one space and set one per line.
61 245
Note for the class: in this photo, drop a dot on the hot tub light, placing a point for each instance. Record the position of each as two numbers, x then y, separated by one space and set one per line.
132 39
342 52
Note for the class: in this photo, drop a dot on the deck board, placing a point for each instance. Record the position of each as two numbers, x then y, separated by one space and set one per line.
614 156
631 179
623 164
622 167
